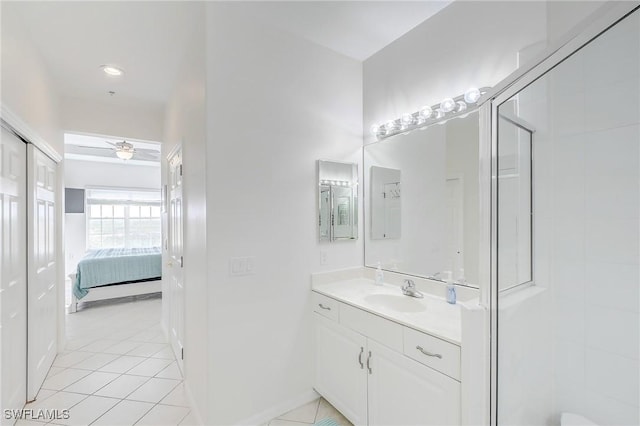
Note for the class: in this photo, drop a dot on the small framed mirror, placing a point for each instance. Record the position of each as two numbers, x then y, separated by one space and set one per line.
337 201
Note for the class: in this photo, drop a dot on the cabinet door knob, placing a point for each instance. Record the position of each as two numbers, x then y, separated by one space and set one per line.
360 357
427 353
324 307
369 363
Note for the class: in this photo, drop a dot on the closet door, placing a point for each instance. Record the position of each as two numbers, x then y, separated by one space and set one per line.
41 291
13 273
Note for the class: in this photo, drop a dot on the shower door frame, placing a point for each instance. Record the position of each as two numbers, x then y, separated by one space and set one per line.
599 22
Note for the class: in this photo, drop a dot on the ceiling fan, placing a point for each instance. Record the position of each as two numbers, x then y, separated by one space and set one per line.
126 151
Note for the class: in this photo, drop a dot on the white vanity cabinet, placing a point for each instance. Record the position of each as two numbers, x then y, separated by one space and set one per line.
340 374
404 392
366 368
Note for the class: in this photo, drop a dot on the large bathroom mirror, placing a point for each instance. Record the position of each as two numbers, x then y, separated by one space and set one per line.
337 201
421 203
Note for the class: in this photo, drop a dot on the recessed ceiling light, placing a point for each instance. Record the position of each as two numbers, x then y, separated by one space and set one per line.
112 70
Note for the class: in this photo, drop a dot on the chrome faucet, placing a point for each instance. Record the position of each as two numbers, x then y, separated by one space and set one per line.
409 289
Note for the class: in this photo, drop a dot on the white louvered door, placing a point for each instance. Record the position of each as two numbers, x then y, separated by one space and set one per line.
41 290
13 273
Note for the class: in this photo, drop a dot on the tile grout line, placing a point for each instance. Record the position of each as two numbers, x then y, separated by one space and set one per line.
155 337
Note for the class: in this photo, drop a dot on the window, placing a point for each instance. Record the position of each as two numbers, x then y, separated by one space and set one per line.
123 218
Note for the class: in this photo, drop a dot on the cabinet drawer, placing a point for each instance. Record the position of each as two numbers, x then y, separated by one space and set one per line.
374 327
325 306
433 352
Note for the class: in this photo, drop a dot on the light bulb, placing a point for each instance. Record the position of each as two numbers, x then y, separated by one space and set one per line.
407 119
125 155
425 112
461 106
390 126
438 114
112 70
472 95
375 129
447 105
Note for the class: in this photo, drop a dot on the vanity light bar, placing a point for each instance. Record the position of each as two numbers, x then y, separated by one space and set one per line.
335 182
427 115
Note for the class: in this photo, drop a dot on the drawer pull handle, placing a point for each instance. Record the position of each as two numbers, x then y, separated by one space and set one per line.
369 363
360 358
324 307
428 353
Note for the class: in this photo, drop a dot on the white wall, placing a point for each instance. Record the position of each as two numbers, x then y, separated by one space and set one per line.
563 15
144 121
185 125
83 174
27 89
28 94
466 44
275 105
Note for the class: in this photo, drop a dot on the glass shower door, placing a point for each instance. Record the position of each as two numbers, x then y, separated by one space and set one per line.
567 237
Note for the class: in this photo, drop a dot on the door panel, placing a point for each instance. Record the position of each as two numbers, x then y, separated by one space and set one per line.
340 368
41 289
13 272
175 249
405 392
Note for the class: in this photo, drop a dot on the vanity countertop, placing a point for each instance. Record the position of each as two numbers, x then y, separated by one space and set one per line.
439 319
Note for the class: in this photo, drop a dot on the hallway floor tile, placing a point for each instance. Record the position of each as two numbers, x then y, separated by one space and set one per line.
117 370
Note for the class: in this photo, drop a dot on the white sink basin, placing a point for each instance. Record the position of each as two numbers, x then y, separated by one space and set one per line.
398 303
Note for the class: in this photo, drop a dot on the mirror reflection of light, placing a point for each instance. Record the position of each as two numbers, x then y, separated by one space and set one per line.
472 95
425 112
447 105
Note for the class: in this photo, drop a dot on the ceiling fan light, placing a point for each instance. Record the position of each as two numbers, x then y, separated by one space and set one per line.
125 155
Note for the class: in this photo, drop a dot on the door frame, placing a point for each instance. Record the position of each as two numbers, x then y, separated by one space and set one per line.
175 152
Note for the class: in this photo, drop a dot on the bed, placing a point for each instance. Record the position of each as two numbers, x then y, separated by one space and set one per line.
116 272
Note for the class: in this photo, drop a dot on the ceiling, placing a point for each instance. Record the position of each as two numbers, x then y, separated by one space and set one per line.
101 149
356 29
77 37
145 38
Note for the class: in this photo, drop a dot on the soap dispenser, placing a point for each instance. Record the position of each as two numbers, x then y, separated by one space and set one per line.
451 289
379 275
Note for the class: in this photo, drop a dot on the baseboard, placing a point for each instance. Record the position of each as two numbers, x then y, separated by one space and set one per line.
192 403
271 413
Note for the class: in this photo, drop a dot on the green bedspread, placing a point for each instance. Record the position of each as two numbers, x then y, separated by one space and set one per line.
116 265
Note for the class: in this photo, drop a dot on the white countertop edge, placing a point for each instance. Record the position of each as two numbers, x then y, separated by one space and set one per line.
432 331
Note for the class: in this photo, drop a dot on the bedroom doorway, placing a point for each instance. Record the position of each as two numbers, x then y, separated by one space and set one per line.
174 273
113 215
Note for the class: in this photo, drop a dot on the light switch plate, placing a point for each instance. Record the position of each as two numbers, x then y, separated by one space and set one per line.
239 266
324 257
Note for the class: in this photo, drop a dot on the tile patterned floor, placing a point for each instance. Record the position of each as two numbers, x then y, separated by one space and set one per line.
311 413
117 370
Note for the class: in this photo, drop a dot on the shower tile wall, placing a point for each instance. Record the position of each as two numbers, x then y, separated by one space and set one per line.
587 214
